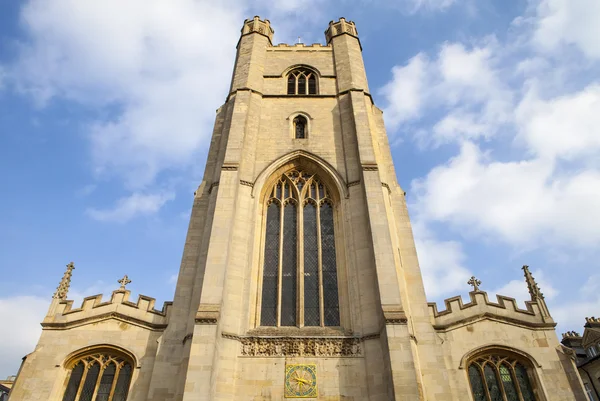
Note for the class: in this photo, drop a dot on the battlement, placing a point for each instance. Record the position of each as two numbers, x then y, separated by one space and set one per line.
340 27
571 334
93 309
256 25
592 322
505 309
299 46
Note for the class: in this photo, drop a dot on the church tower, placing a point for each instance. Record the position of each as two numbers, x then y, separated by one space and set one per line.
299 276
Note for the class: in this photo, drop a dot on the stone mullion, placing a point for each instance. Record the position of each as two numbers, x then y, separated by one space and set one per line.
484 381
280 265
82 381
100 374
300 264
320 264
111 394
513 375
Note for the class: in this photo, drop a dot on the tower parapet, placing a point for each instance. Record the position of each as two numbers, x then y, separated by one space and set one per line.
256 25
340 27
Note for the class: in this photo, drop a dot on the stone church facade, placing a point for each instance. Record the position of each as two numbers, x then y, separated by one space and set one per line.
299 276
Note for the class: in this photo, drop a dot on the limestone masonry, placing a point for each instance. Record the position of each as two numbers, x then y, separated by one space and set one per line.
299 276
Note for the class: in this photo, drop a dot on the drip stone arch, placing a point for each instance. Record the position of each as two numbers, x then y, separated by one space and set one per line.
498 349
304 66
291 122
301 158
92 349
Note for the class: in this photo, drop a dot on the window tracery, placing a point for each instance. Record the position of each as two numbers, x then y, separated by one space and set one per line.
299 286
500 378
100 376
301 81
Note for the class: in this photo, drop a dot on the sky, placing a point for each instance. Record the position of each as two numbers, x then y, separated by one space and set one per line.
106 111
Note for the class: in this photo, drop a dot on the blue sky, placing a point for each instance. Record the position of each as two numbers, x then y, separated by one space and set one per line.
106 111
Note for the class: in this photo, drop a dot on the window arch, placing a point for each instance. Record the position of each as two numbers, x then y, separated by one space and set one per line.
501 377
302 81
299 285
99 375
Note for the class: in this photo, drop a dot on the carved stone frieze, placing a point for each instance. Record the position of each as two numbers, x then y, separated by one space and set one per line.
298 346
208 314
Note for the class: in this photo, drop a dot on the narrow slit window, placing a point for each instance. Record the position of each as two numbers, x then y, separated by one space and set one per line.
300 124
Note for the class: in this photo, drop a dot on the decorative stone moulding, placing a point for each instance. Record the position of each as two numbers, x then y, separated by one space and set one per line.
340 27
394 314
299 346
256 25
208 314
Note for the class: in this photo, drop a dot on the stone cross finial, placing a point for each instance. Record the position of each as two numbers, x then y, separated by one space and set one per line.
474 282
532 286
65 283
124 281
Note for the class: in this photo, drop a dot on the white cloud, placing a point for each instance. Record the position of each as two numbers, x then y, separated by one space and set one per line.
159 71
431 5
564 127
442 263
132 206
568 22
524 203
22 315
404 91
461 84
518 288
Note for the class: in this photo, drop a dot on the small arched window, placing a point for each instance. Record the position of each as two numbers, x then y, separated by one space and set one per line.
301 81
496 377
299 286
300 127
99 376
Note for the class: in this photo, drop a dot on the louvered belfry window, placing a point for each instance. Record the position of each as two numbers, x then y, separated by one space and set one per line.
99 376
301 81
500 378
299 281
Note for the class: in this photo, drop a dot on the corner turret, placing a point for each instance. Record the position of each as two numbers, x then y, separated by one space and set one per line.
340 27
256 25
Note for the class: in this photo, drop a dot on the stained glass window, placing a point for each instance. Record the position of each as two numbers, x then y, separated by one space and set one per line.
330 286
93 378
476 384
74 382
504 378
315 266
312 309
268 316
288 280
524 383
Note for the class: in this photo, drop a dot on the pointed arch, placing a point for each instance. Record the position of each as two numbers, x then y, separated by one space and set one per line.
306 160
497 347
304 66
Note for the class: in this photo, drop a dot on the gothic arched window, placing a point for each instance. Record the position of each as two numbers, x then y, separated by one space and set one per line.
99 376
300 127
299 286
301 81
496 377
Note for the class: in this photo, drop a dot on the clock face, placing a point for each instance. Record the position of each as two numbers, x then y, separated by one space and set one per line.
300 381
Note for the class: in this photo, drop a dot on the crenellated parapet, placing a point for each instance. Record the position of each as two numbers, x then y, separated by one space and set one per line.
93 309
571 334
458 314
340 27
256 25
